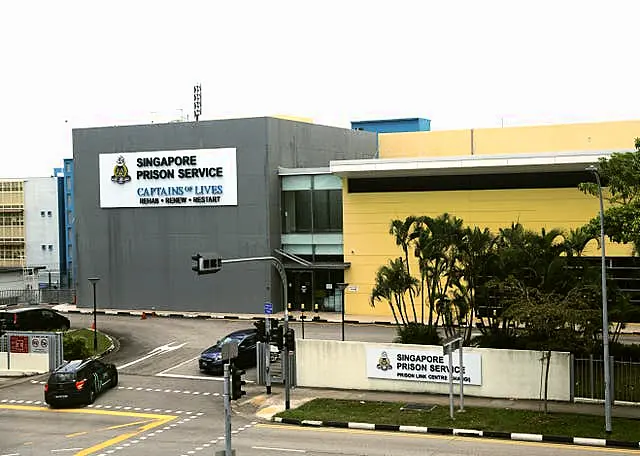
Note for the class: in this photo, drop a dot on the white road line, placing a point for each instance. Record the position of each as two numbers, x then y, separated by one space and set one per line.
181 364
156 351
10 454
289 450
65 449
196 377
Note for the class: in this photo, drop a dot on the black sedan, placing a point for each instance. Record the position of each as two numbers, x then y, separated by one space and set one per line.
79 382
211 359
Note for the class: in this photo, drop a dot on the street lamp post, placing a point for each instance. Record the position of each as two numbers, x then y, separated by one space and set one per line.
605 310
93 281
342 287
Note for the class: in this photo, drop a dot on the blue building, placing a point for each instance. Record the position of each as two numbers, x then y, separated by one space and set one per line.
393 125
68 219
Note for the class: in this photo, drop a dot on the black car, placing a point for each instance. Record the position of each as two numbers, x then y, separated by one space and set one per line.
211 359
33 319
79 382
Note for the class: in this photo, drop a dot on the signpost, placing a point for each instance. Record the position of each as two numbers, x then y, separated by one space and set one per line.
268 310
448 348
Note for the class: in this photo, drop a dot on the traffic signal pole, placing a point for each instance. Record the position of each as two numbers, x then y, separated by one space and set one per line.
227 410
204 265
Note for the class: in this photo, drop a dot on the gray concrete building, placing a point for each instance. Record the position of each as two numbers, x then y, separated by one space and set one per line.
147 197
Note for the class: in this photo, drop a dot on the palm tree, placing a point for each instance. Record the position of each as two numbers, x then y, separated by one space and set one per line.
401 231
392 284
476 251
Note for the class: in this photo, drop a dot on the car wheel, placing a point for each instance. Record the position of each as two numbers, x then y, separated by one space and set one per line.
114 383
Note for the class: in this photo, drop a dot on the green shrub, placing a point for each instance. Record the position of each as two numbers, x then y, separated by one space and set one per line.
419 334
75 347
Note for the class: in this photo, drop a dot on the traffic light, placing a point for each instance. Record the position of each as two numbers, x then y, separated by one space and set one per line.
204 265
237 383
290 339
276 335
262 330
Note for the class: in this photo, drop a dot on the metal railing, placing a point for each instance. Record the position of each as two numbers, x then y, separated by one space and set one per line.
33 297
589 379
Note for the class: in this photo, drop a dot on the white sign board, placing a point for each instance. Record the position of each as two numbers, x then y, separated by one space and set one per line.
202 177
39 344
422 366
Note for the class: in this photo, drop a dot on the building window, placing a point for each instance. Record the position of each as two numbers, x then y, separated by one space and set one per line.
296 213
327 211
68 200
49 214
41 213
68 166
44 247
50 247
68 179
69 217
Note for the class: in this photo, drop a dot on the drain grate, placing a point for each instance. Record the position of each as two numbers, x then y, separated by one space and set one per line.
418 407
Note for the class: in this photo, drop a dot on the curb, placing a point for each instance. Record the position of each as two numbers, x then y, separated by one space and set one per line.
169 314
463 433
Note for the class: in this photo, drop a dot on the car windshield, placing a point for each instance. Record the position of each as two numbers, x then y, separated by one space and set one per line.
230 338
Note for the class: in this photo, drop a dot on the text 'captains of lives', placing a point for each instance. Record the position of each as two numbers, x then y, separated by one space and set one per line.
190 170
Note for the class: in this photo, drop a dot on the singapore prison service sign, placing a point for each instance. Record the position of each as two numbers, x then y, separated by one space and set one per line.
202 177
422 366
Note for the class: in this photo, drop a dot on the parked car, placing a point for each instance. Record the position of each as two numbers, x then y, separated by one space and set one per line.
34 319
211 359
79 382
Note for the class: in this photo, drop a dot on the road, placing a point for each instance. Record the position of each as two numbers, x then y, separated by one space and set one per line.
272 439
164 406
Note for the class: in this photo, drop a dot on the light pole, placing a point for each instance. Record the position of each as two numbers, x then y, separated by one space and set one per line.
342 287
93 281
605 310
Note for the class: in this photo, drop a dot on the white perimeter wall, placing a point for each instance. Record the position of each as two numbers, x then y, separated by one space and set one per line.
513 374
25 362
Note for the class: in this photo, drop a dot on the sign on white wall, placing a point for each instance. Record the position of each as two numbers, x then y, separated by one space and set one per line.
202 177
422 365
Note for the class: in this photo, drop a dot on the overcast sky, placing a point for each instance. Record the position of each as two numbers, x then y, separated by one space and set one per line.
462 64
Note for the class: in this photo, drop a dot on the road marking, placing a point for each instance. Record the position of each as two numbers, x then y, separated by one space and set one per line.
118 426
196 377
10 454
65 449
123 437
445 437
156 351
181 364
289 450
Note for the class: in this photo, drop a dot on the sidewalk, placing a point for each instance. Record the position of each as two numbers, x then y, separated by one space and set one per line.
322 317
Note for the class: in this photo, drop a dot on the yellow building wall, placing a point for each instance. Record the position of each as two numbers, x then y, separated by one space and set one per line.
367 216
511 140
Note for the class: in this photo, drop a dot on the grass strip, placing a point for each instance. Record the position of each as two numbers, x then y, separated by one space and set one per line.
486 419
87 335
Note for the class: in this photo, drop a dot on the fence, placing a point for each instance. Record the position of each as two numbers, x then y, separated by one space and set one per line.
589 379
41 296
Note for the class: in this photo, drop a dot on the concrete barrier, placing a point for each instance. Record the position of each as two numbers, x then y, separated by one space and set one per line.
511 374
24 362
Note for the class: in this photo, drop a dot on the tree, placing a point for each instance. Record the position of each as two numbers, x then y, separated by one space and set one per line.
392 284
401 232
620 174
475 253
552 321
